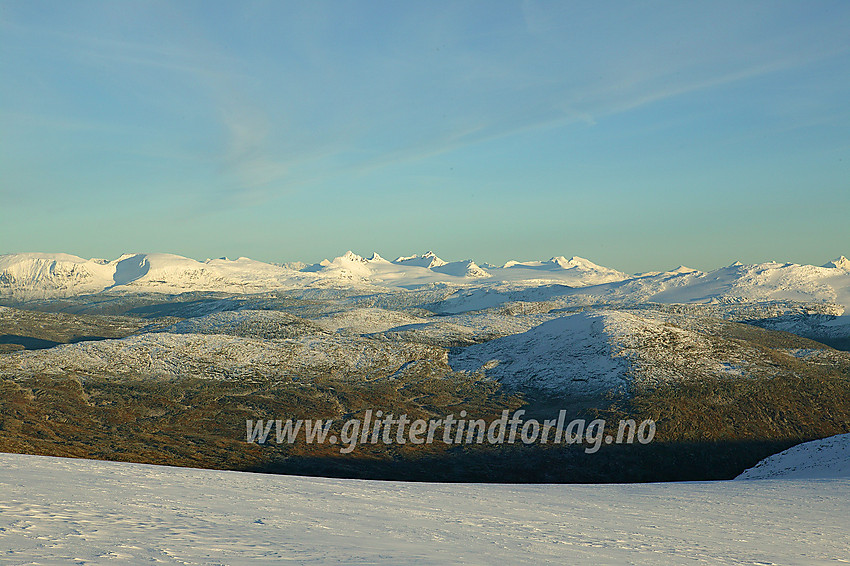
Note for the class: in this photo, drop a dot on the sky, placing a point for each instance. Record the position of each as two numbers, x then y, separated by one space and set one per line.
640 135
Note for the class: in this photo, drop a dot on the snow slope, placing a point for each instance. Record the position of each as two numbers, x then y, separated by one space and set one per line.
593 352
596 351
824 458
576 353
59 511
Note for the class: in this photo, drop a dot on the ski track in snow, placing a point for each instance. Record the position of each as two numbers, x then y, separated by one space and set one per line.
60 511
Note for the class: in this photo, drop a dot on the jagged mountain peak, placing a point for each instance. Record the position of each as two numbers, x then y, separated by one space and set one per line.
376 258
839 263
574 261
350 256
428 260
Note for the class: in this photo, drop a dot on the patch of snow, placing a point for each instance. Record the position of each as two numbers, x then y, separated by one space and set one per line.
824 458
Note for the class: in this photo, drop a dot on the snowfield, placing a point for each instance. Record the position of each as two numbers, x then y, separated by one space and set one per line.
60 511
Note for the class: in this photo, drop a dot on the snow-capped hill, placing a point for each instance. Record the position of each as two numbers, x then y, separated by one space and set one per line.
560 262
735 283
557 262
408 271
53 274
840 263
827 458
577 354
789 281
62 275
170 271
158 268
349 265
428 260
594 352
575 272
574 261
467 268
683 269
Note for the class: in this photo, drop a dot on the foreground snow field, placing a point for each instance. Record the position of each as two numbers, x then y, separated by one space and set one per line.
57 511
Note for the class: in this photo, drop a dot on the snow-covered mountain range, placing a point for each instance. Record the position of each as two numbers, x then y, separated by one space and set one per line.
38 275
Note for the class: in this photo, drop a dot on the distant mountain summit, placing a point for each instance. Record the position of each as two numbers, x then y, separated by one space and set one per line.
840 263
376 257
575 271
428 260
466 268
559 262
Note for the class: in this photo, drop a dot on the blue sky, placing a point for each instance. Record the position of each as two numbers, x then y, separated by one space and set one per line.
640 135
